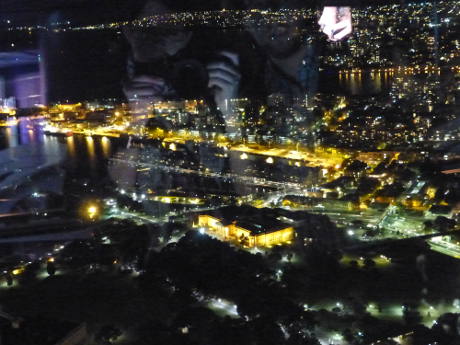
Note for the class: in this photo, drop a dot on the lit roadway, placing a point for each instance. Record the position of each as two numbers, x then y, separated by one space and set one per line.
314 160
445 247
125 214
389 241
452 171
87 132
249 180
311 159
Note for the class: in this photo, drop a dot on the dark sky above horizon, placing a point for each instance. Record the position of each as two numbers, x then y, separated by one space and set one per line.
29 11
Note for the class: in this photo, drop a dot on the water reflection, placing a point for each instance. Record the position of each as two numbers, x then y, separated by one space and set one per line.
11 136
91 151
106 147
71 147
31 133
358 83
85 156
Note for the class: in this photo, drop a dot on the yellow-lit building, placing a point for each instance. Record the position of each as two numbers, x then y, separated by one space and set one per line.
181 200
246 232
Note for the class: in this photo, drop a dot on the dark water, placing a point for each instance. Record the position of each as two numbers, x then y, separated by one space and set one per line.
85 157
354 84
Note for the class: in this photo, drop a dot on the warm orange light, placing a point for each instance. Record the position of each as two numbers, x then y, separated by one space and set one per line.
17 271
92 211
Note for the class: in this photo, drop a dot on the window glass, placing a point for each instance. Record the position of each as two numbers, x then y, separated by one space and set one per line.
229 171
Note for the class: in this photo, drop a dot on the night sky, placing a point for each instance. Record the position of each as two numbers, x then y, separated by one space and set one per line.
91 11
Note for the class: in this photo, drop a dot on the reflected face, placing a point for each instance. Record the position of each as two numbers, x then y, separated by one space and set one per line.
150 44
278 40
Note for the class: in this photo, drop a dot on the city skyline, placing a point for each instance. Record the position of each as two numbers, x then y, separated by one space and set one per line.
187 175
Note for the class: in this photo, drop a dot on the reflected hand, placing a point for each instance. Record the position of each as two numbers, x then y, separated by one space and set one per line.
224 77
336 22
144 88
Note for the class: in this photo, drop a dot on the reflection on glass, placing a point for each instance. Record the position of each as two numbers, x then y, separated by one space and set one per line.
248 134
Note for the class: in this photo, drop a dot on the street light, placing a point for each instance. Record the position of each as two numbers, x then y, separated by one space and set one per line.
92 211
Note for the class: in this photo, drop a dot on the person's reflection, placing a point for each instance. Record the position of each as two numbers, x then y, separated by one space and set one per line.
289 66
291 58
162 56
158 69
336 22
147 78
168 62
